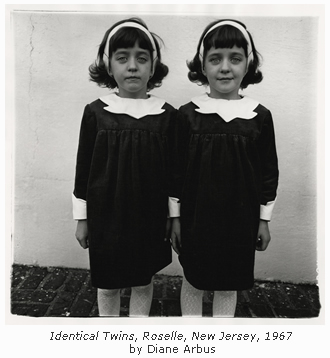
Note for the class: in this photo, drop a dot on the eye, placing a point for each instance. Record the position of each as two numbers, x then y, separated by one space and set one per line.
121 59
142 59
215 60
236 60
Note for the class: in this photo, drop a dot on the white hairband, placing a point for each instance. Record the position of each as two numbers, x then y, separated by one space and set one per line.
127 24
239 27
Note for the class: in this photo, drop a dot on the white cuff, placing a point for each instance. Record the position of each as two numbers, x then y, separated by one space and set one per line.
173 207
267 210
79 210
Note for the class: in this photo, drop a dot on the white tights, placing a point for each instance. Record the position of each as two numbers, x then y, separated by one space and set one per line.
108 302
140 302
224 302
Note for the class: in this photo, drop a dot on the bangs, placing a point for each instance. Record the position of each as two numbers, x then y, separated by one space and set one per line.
127 37
225 37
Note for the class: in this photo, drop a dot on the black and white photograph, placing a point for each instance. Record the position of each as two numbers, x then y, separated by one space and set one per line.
165 165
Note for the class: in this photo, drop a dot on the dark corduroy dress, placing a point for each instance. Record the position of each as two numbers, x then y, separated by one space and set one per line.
122 172
229 170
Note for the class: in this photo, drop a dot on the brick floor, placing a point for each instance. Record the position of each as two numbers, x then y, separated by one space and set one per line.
62 292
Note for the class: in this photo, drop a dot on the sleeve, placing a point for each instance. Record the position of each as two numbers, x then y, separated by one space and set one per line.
84 158
178 144
173 207
269 168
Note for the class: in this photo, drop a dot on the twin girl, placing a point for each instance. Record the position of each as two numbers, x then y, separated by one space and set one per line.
201 179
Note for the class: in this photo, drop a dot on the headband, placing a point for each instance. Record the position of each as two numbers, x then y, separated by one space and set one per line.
127 24
239 27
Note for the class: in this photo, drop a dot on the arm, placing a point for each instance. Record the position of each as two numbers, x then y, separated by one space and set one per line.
173 224
269 168
84 158
84 155
179 144
270 173
176 235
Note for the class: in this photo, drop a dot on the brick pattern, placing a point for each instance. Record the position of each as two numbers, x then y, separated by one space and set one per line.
62 292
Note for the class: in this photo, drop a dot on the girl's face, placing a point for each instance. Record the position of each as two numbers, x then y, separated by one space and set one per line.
131 69
225 69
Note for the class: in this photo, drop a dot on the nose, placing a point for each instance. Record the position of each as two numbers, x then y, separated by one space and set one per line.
225 66
132 64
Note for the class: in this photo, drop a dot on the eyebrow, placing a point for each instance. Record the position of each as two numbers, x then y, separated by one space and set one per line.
235 53
124 51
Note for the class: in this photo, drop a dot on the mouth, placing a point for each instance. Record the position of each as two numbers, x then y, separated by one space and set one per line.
225 79
132 78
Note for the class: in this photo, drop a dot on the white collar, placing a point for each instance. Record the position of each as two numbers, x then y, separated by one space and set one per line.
136 108
228 110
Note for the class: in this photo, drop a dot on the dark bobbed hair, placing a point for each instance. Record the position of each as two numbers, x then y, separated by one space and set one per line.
225 36
126 37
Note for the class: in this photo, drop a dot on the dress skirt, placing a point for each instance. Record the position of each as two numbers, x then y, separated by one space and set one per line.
229 170
123 173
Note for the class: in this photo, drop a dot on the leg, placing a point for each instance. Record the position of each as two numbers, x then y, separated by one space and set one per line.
141 298
108 302
224 303
191 300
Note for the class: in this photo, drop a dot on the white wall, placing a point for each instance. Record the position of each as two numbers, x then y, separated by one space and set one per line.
52 53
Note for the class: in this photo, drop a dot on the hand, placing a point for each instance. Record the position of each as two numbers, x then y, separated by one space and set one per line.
176 235
82 233
263 238
168 229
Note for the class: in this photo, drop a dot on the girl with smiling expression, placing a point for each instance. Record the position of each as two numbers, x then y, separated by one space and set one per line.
229 172
121 191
